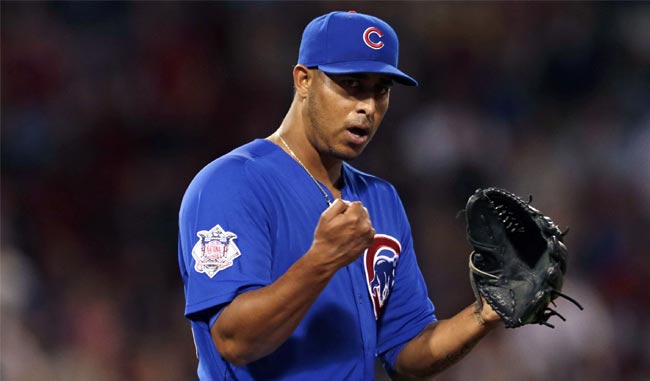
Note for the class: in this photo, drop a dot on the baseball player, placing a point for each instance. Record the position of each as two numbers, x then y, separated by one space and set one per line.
297 266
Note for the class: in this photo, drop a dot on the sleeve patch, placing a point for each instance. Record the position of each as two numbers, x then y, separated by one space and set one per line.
214 251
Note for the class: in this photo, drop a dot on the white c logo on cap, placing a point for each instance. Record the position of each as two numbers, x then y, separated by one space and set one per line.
369 42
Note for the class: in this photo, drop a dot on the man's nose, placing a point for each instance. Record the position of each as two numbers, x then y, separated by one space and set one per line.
367 105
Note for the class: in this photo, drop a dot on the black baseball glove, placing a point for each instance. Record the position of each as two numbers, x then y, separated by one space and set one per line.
519 260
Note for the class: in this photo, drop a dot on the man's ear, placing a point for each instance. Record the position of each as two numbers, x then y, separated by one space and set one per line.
302 79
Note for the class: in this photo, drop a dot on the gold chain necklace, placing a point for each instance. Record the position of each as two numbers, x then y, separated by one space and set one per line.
295 157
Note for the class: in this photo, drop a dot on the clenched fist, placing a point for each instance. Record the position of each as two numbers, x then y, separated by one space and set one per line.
343 232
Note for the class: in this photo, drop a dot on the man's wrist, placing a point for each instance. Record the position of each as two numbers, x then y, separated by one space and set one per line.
485 315
477 315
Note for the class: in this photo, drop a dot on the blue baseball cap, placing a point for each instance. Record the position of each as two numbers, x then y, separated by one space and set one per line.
351 42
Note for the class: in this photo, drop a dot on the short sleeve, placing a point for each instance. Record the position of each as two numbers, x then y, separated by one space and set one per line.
408 310
224 238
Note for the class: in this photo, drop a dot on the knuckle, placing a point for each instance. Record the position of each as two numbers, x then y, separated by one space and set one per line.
368 231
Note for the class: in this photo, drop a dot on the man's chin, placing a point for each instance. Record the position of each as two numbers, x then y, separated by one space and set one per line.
348 154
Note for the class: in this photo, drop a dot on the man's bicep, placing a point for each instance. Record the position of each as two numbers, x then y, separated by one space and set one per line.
225 244
408 311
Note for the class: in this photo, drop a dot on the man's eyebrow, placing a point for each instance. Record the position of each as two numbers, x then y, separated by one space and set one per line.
387 81
353 75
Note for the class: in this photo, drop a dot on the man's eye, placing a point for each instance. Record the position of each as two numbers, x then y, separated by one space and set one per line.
384 90
349 82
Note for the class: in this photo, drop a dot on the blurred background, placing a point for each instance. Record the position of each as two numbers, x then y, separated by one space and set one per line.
110 108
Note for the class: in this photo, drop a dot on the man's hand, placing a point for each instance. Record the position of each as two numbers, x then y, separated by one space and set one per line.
486 315
344 231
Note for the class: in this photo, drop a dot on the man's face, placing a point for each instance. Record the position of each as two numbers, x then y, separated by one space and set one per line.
344 111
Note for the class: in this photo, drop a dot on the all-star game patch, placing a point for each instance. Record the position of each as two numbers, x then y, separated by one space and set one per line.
214 251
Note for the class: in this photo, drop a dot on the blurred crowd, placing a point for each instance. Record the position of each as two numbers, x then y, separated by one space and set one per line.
109 109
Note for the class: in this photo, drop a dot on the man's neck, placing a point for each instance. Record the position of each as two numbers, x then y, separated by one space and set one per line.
325 169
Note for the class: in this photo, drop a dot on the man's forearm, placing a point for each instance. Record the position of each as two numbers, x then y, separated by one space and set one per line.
257 322
443 343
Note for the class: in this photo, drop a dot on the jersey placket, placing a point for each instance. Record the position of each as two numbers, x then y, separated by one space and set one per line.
364 309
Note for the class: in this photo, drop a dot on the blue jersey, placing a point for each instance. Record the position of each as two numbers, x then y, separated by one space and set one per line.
247 217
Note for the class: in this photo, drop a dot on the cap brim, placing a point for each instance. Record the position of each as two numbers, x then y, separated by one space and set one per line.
369 67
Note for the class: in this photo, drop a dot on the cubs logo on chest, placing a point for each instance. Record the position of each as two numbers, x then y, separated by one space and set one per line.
380 262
